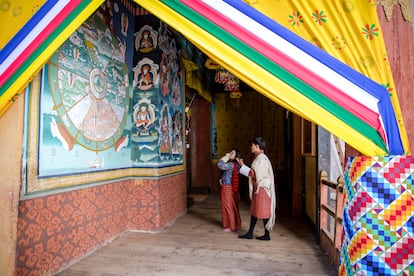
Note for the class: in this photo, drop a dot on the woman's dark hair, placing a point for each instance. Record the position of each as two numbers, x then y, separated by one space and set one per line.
238 154
260 142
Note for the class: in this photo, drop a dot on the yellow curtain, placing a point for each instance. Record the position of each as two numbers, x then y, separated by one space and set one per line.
13 16
348 30
192 81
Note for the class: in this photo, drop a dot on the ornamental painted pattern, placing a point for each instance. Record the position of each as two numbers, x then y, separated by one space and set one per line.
56 230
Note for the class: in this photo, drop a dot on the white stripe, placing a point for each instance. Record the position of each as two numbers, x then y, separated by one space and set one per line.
34 33
290 50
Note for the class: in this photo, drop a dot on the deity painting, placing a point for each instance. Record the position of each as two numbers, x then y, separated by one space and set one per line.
176 91
145 74
145 77
165 131
124 24
165 75
177 133
146 39
143 116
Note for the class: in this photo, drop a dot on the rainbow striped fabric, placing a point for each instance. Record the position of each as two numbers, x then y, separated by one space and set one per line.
44 26
269 57
289 70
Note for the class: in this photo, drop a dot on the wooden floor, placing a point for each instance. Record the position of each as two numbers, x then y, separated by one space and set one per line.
195 244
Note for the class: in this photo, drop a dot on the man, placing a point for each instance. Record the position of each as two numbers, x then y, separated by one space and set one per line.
261 190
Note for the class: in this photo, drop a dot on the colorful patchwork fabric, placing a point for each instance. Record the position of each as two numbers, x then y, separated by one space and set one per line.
378 217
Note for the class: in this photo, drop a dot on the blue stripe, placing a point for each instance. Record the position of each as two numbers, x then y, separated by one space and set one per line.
378 91
339 67
27 28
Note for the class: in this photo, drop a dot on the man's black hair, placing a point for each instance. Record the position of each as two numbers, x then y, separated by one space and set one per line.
260 142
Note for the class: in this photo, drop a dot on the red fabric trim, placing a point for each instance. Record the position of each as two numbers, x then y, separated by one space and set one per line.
235 177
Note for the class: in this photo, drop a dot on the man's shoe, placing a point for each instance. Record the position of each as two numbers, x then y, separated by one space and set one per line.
263 238
246 236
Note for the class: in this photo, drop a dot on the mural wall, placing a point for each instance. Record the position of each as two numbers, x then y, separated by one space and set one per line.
110 98
156 134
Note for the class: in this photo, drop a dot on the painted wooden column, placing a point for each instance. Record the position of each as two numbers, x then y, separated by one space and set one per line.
297 168
11 124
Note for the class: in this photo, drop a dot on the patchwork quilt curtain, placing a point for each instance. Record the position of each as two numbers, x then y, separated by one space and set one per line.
378 216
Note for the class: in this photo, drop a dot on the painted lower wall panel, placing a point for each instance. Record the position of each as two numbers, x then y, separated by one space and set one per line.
57 230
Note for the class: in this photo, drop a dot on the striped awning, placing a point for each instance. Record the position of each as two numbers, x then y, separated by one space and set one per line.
268 57
289 70
34 43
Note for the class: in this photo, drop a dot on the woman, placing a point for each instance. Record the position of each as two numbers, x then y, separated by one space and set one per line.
229 191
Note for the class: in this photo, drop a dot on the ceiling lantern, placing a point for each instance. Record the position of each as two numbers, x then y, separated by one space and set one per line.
233 86
231 82
222 75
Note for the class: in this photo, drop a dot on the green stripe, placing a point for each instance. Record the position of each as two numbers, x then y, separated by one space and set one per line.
309 92
42 47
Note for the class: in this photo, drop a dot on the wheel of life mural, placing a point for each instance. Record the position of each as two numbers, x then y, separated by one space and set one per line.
89 86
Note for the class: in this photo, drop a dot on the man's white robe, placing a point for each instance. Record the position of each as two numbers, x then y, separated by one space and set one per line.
265 180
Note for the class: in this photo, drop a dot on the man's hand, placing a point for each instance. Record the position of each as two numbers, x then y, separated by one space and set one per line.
240 161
